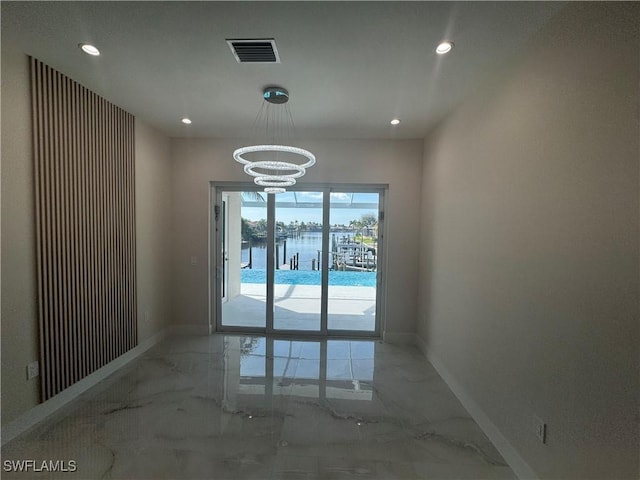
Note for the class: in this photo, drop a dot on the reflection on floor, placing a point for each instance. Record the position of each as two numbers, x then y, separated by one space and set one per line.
232 407
297 307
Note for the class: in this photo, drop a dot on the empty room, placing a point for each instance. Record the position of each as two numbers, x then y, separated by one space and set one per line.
383 240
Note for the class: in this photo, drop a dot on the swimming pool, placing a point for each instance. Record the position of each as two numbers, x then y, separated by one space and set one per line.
310 277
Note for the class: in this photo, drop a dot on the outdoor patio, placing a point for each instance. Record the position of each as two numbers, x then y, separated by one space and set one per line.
297 307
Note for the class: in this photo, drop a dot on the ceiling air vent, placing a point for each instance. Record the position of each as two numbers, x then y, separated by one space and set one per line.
257 50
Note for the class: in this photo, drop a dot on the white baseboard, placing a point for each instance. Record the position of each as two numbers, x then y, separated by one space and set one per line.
510 454
399 338
192 329
41 411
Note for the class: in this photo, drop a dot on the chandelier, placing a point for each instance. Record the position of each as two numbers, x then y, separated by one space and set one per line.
274 165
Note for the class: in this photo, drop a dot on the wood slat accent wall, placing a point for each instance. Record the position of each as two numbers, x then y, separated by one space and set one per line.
85 226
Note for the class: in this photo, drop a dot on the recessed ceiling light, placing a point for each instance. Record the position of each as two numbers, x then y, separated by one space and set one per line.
444 47
395 121
89 49
186 121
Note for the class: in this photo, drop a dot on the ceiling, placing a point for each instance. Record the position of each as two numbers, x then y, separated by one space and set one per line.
350 67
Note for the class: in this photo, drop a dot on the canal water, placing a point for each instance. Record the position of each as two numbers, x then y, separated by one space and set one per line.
307 244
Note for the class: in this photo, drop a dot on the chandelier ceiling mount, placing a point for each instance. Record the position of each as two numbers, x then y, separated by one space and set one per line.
275 164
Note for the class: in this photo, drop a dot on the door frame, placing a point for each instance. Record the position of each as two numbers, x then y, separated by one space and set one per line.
224 242
216 259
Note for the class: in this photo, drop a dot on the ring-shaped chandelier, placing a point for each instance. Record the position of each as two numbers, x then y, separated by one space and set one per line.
311 158
281 167
275 190
274 181
275 174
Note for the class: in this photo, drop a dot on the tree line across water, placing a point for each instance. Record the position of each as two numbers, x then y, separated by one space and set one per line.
365 226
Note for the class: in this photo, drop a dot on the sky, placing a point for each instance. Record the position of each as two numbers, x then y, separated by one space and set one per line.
341 216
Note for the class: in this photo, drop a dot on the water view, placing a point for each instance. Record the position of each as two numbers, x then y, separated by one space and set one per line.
306 244
303 251
296 296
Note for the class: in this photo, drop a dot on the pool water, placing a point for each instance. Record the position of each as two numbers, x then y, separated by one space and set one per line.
310 277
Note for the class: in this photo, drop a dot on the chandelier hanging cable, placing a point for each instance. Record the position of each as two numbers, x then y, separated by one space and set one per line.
272 164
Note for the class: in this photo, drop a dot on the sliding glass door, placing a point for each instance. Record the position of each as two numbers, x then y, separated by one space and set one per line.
243 259
297 294
353 268
304 261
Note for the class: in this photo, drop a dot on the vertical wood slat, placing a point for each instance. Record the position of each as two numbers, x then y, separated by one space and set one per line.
73 226
81 123
98 224
91 250
56 314
48 203
113 194
63 229
36 108
131 170
85 227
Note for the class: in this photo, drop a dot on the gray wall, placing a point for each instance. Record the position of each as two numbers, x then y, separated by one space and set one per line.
196 162
19 308
530 223
153 228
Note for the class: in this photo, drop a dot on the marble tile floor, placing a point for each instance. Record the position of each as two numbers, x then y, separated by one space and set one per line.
244 407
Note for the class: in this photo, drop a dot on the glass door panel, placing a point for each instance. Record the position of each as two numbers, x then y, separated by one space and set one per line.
300 261
244 258
353 261
298 247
